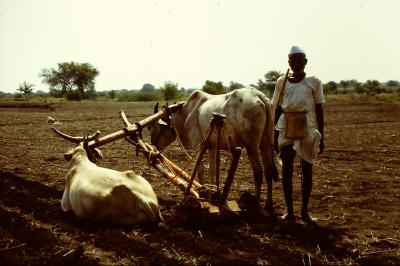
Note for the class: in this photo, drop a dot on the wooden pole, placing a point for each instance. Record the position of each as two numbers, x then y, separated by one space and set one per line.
179 182
164 159
282 92
179 171
219 123
203 148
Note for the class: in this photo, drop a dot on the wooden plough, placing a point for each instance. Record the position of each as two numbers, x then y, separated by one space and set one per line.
170 170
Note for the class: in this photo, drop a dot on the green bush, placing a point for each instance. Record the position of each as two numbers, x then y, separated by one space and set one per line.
138 96
73 95
170 91
213 87
146 97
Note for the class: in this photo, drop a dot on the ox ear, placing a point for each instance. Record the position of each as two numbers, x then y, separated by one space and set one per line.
164 124
68 155
98 153
166 120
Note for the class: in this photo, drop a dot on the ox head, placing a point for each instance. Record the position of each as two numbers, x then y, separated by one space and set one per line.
162 131
81 146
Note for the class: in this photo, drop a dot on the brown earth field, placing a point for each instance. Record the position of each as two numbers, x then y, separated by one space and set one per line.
356 196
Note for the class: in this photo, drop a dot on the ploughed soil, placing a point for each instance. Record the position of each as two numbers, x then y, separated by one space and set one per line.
356 196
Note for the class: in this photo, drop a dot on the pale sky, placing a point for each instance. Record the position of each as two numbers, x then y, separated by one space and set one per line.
188 42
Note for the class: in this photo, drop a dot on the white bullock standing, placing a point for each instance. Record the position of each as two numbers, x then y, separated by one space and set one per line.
106 195
249 123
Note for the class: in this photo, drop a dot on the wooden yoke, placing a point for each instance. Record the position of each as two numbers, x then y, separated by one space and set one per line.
132 128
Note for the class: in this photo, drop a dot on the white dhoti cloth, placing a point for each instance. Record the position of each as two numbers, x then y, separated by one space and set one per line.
300 97
306 148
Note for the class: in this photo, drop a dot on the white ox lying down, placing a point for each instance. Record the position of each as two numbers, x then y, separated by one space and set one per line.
249 123
106 195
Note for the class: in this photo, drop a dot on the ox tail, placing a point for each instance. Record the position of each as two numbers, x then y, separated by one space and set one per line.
266 149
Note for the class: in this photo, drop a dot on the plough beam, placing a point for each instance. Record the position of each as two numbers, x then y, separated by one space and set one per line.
132 128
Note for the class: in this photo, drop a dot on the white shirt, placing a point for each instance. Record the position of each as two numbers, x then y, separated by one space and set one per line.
300 97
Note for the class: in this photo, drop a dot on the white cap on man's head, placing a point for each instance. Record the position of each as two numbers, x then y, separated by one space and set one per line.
296 50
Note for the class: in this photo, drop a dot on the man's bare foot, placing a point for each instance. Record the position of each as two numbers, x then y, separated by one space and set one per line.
288 217
307 218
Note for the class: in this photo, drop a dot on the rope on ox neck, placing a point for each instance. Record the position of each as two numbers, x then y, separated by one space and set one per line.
177 135
196 150
199 146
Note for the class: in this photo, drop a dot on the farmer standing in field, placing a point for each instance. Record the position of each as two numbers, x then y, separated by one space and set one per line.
295 99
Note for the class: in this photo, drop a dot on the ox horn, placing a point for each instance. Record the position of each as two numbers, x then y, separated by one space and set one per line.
156 108
76 139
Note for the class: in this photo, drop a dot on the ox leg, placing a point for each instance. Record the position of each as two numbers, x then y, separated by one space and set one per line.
271 174
257 171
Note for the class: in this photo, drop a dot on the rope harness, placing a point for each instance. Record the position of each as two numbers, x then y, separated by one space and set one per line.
153 153
156 159
198 147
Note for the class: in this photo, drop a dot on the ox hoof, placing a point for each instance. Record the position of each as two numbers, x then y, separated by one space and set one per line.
275 175
248 201
269 208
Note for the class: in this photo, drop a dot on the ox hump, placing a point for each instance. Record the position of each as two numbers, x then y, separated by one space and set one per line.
198 95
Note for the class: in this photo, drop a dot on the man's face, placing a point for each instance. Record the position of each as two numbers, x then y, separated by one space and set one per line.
297 62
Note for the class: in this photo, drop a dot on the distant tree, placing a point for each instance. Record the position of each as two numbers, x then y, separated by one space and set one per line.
272 76
183 91
392 83
213 87
90 93
234 86
170 90
26 89
3 95
70 76
262 86
41 93
112 94
358 87
268 84
147 87
372 87
344 84
330 87
138 96
353 82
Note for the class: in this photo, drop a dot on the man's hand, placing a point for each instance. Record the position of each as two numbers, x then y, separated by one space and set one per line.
319 113
321 146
